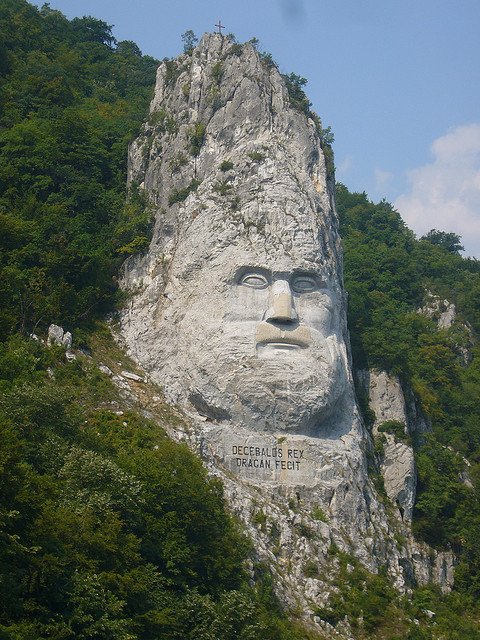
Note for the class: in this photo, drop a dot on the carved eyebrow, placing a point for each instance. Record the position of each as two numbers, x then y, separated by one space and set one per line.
319 278
305 272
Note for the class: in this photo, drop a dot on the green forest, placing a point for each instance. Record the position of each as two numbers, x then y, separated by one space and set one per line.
389 275
109 529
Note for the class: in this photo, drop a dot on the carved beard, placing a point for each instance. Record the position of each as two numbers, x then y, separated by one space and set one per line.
292 391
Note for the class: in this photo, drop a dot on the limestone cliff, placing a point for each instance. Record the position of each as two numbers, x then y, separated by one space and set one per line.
396 457
238 311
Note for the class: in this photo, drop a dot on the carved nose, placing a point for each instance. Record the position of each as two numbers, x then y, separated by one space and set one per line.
281 303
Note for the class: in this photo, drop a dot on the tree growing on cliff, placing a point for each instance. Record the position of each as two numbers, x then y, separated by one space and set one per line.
189 40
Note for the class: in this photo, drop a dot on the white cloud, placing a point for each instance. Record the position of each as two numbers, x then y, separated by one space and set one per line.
344 167
445 194
382 179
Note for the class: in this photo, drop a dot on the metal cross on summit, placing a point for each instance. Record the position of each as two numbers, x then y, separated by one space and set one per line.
220 27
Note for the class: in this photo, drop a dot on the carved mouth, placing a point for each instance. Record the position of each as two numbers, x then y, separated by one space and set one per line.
285 344
274 338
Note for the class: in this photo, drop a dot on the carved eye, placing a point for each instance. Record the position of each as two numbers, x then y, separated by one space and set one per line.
304 284
254 280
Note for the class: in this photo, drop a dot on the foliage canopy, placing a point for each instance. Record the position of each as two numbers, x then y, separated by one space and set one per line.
389 276
71 98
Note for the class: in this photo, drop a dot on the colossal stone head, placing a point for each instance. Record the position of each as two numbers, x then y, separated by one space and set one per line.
238 308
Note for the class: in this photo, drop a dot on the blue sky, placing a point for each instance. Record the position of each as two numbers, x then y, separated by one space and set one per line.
397 80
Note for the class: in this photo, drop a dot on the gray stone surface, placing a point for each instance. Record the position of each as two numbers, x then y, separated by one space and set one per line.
442 311
447 317
397 462
106 370
399 475
386 397
238 311
67 340
55 335
131 376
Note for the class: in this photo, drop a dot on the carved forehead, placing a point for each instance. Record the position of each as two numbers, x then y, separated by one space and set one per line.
222 262
278 226
265 230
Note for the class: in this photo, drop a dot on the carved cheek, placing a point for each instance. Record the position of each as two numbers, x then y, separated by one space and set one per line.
315 314
322 321
246 304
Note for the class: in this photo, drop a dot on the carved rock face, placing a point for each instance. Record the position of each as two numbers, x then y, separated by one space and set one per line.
257 336
239 309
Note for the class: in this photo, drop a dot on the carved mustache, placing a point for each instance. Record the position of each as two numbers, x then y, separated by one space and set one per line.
300 335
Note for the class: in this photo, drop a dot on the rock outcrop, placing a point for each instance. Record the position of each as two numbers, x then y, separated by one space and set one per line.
57 335
238 311
392 430
444 313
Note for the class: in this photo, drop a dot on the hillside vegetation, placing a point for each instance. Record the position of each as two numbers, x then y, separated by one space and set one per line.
389 275
71 98
108 529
